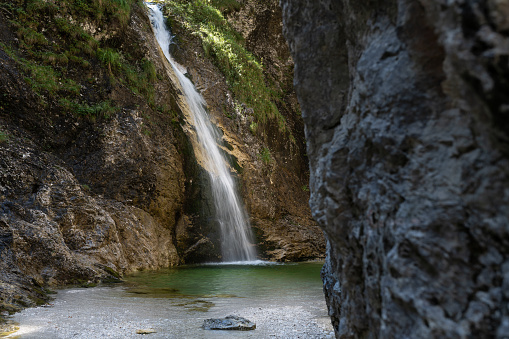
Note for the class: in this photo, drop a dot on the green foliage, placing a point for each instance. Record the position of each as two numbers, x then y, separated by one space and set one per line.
53 43
3 136
226 48
265 155
110 58
45 79
30 37
253 127
104 108
149 69
226 6
305 188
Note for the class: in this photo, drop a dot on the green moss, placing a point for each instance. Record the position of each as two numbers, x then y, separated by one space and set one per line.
265 155
103 108
112 272
226 48
3 136
88 284
53 43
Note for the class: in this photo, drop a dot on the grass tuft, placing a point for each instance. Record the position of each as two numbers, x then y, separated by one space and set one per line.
53 42
265 155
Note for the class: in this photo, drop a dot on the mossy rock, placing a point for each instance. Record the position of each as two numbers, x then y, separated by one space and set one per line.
8 329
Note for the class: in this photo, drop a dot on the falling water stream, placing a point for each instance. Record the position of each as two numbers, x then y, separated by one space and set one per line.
236 237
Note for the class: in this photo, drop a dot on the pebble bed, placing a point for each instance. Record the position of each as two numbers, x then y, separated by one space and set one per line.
110 312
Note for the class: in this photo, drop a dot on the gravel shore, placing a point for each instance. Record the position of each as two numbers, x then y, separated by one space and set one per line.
112 312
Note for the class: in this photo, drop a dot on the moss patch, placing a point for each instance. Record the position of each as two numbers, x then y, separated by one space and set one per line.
54 51
226 48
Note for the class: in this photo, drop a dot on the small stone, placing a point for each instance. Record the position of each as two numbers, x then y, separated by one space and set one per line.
145 331
230 322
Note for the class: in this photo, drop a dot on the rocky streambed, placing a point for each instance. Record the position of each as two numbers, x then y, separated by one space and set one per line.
285 301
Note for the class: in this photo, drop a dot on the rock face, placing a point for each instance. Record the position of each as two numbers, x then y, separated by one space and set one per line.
275 192
86 196
85 200
406 112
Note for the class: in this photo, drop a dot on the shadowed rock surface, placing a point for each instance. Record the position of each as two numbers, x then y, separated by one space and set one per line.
406 112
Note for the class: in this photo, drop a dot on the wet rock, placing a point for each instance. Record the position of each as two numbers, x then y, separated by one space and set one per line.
230 322
405 106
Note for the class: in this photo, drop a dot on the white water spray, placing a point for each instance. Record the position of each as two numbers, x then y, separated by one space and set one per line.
236 238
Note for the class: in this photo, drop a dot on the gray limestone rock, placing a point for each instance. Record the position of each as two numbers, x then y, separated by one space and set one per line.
406 110
230 322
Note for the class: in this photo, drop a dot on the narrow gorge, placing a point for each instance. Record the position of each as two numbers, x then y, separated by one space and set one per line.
367 135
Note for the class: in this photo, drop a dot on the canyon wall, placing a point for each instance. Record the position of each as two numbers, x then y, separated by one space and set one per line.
86 194
270 164
98 177
406 108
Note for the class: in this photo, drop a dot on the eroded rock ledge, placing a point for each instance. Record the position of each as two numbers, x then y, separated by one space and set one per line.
406 112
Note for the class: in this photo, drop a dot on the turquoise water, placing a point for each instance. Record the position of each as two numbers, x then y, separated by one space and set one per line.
284 300
261 281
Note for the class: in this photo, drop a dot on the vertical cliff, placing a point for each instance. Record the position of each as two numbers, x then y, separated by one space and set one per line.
406 110
236 55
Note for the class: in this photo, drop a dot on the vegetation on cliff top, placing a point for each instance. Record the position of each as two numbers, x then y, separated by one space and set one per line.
226 48
55 48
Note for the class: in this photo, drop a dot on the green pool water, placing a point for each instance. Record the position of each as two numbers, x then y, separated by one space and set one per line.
264 281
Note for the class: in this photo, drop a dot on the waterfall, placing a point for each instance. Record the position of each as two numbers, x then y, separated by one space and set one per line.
236 237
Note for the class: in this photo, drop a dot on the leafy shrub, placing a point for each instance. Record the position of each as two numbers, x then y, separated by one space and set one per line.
110 58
